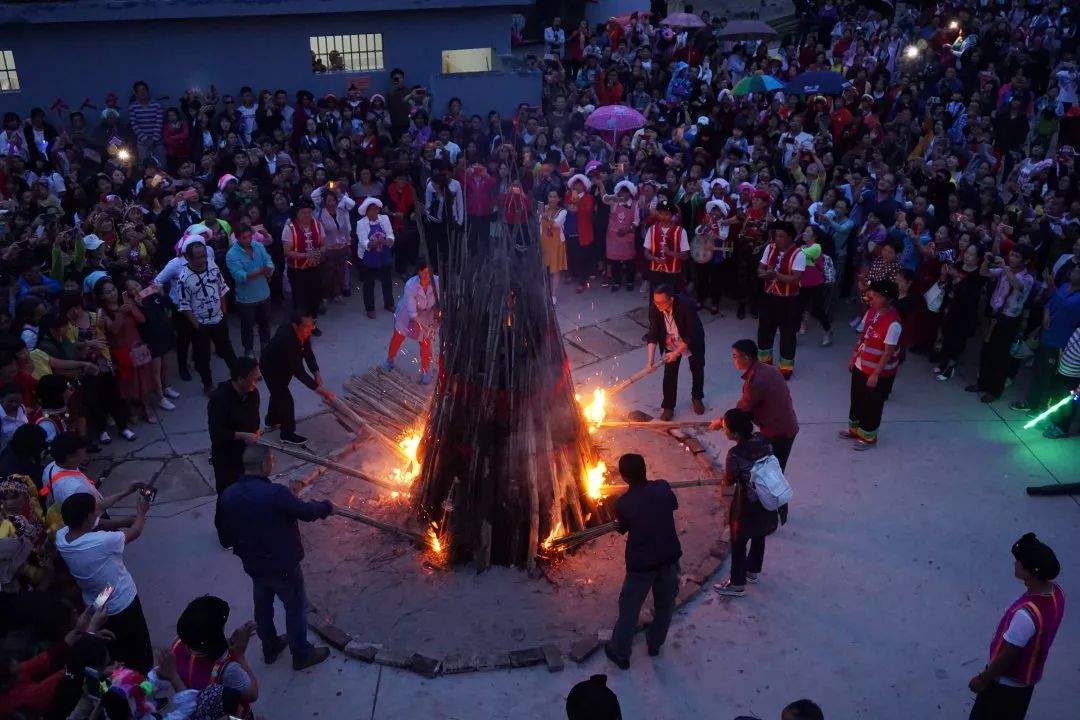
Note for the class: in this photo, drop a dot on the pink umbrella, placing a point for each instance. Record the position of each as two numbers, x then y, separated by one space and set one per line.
624 18
615 119
683 20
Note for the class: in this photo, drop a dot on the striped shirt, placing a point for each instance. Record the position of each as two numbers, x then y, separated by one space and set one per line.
1069 362
147 120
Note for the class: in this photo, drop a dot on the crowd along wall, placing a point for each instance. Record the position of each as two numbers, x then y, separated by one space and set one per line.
72 62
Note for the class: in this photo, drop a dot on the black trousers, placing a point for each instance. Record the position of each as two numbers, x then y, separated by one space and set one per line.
132 646
783 314
1000 702
383 275
867 403
817 302
664 584
708 282
437 236
577 259
479 234
252 315
281 409
307 289
741 562
226 473
995 358
103 400
406 249
218 334
622 272
781 448
184 331
671 379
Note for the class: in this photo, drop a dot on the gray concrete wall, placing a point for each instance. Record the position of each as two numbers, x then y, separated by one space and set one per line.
73 61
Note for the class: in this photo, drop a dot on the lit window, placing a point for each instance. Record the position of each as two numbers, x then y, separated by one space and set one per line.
9 79
346 53
466 61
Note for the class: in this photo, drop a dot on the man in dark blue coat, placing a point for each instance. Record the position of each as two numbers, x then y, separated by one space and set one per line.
258 518
645 513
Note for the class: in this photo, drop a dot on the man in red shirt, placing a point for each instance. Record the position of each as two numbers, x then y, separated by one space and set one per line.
479 188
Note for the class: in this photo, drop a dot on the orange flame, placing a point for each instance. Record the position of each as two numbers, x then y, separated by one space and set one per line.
434 541
594 480
596 410
410 446
556 531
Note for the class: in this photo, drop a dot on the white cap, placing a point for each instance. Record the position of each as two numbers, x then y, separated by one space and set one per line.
92 242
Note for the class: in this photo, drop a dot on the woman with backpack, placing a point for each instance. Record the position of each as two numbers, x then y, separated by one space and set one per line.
750 522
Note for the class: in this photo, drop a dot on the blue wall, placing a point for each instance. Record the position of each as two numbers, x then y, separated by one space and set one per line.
73 61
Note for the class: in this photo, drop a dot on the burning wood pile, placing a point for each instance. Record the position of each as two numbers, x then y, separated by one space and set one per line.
506 456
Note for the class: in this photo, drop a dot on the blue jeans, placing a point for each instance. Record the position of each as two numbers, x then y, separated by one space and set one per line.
289 587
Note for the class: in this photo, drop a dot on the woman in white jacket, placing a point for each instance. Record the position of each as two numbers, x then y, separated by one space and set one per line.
417 317
374 238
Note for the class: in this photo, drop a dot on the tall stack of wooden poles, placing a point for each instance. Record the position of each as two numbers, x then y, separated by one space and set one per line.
505 446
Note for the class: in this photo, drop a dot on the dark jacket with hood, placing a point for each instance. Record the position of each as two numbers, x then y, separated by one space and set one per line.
747 516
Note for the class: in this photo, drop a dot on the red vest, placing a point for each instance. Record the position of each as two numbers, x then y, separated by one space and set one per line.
664 246
782 263
46 489
199 672
1046 611
299 244
872 344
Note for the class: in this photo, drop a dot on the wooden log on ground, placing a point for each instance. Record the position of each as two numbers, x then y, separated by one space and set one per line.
583 535
373 522
343 469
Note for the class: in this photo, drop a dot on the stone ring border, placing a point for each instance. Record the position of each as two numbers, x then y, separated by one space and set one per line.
552 655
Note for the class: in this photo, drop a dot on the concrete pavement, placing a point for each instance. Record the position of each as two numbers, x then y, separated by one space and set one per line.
878 599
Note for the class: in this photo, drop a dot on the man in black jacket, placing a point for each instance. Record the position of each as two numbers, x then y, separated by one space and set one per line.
284 358
675 326
646 512
233 421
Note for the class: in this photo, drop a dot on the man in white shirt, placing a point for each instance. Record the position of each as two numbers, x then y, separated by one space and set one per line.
62 478
795 139
555 38
444 211
95 558
201 300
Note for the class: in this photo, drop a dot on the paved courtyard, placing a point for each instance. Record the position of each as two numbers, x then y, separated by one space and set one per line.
877 600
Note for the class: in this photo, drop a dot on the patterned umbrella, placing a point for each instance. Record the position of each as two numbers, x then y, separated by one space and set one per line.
683 20
757 84
615 119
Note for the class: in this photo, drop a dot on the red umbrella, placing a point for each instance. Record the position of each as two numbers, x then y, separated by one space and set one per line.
683 20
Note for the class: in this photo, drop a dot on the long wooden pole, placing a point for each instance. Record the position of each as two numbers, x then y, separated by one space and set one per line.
388 527
627 382
343 469
673 484
584 535
654 424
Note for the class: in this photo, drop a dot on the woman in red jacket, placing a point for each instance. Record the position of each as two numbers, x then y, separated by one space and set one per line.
176 135
609 91
579 230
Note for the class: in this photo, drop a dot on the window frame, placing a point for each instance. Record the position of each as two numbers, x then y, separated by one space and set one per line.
490 61
9 74
358 52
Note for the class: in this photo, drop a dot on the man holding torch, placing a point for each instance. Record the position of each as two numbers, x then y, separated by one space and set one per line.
675 327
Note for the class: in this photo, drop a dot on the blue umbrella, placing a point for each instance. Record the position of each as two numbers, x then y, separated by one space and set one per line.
823 82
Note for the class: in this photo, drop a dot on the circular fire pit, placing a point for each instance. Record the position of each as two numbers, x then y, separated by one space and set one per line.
385 600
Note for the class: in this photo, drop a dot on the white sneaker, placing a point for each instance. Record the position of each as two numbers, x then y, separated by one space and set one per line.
128 434
104 438
170 393
166 404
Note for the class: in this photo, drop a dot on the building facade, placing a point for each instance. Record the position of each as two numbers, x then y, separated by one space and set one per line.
59 54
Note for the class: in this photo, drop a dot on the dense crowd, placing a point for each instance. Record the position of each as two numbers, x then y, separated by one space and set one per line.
931 196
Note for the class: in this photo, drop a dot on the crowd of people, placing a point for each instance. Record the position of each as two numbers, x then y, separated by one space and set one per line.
931 196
